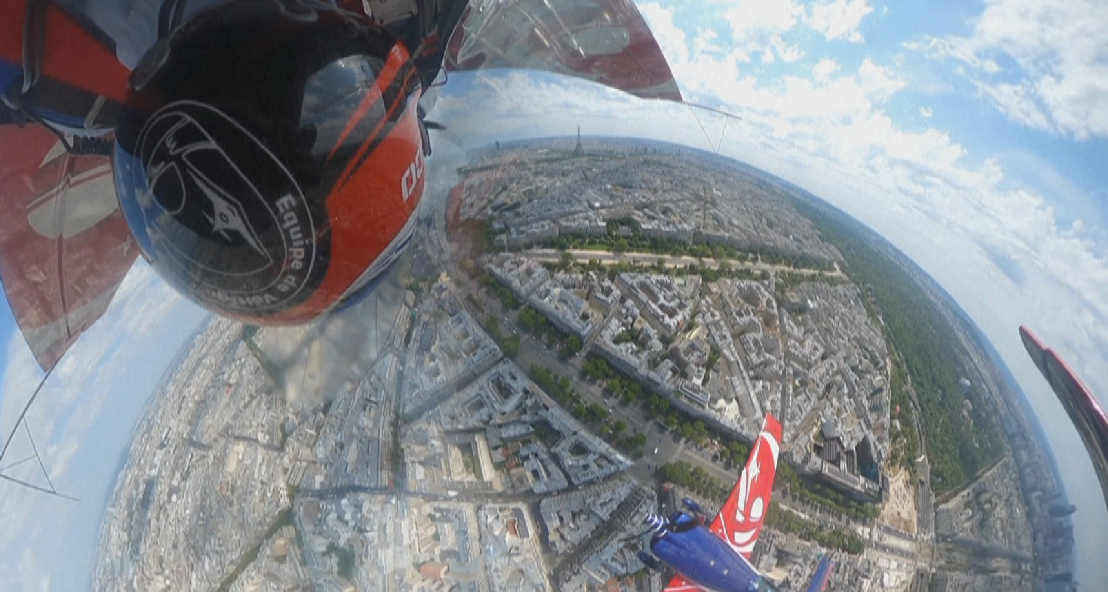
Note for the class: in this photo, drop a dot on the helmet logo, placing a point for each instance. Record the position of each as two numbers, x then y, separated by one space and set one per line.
226 216
223 210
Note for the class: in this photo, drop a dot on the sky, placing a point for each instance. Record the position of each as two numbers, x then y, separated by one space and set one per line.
971 135
82 424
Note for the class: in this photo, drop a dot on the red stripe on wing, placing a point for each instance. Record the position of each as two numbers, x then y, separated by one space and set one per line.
680 584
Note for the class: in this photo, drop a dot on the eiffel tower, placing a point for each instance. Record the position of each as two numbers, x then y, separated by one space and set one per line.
579 150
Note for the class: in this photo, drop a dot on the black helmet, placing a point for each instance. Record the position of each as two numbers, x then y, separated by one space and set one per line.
269 158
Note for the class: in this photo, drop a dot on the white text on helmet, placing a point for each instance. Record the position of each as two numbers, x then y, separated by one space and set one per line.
412 175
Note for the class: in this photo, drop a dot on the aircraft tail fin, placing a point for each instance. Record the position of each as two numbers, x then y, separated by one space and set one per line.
823 575
739 522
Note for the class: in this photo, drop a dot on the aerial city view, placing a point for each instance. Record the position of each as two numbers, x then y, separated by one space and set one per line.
587 332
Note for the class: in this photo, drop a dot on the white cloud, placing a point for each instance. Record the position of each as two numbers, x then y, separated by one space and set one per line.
879 82
756 20
956 48
1061 54
705 67
839 19
756 27
787 53
926 112
825 68
1017 102
667 33
60 455
707 41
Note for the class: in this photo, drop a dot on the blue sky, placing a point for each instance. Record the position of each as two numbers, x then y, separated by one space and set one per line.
7 324
971 135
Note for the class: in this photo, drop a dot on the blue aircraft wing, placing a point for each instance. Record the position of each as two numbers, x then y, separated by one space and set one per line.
823 575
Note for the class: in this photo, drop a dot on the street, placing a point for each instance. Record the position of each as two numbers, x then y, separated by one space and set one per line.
671 448
647 259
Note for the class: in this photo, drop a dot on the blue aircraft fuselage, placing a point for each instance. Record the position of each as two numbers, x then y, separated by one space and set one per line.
704 558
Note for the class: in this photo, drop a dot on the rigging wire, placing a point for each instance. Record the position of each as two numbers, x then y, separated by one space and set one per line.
703 130
16 463
22 419
723 133
692 108
34 487
23 413
34 448
717 146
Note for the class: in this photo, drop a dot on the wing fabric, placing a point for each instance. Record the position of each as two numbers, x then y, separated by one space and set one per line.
1084 410
64 246
604 41
740 520
680 584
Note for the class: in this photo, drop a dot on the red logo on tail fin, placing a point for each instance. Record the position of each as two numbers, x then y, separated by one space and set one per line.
740 520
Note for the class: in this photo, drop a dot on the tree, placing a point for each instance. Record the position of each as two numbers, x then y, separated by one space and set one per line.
621 246
572 346
597 412
624 336
566 261
619 426
511 346
714 355
699 431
